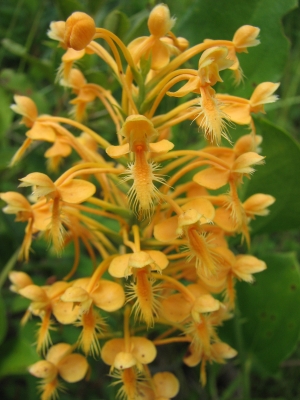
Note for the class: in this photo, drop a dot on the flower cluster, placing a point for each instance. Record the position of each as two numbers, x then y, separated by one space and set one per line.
168 267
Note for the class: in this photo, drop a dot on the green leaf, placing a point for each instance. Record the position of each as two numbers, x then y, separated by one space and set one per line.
17 355
269 309
117 22
3 324
67 7
278 177
5 114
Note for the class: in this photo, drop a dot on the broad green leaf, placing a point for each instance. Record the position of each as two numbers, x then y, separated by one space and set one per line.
67 7
117 22
198 20
3 320
5 114
270 311
17 355
279 177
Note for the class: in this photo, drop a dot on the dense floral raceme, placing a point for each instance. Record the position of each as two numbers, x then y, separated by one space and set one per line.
155 218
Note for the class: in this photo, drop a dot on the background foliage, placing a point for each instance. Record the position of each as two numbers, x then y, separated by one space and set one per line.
266 328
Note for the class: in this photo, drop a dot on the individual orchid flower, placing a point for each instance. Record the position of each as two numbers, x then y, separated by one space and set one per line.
160 24
191 224
127 359
142 289
211 117
42 128
88 293
37 218
60 362
74 34
73 191
240 110
140 135
87 93
180 307
43 304
231 215
219 352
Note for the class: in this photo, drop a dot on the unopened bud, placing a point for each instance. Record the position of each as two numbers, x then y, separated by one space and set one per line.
160 22
79 31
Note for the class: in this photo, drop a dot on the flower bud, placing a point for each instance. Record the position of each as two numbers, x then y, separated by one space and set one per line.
182 43
79 31
160 22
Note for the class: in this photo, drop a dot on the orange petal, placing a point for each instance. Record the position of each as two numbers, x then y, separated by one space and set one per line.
224 220
163 146
15 202
263 94
119 266
247 265
160 55
124 360
244 162
176 308
203 207
34 293
258 204
118 151
73 367
159 258
43 369
109 296
212 178
65 313
165 231
143 349
166 384
191 86
238 113
110 350
76 191
42 132
57 352
37 179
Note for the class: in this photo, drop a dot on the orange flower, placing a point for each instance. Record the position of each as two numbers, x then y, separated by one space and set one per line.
140 264
211 118
140 133
38 218
192 224
42 304
73 191
60 361
86 292
159 23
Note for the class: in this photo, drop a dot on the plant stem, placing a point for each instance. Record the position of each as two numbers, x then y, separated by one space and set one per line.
244 360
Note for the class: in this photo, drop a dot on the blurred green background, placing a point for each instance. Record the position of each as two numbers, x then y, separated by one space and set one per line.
266 328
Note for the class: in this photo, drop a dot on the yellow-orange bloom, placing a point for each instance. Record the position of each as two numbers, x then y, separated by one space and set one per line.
60 361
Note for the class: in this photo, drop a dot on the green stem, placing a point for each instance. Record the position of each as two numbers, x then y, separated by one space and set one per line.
244 360
8 267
